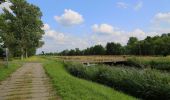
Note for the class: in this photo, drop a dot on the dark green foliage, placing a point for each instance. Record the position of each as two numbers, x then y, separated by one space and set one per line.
1 52
146 84
97 50
164 65
114 49
21 30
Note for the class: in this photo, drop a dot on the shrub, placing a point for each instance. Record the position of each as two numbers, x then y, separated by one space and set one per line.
147 84
154 63
161 65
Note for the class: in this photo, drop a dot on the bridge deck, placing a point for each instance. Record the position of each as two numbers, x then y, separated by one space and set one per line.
93 59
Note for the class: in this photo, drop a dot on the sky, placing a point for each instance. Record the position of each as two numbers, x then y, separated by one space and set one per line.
70 24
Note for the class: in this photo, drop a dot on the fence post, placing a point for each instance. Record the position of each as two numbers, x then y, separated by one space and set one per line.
6 53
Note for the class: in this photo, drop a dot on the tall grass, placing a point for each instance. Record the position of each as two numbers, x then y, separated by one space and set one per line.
160 63
146 84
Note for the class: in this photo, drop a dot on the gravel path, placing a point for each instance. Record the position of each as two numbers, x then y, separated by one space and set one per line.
28 83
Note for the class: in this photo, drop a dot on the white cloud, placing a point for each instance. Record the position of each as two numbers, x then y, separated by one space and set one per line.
122 5
55 40
105 29
138 6
162 17
69 18
5 5
122 38
58 41
140 34
52 34
161 22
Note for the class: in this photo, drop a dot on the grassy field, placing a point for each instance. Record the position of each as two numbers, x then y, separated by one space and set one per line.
72 88
13 66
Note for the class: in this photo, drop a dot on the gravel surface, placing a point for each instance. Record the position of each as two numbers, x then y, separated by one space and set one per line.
28 83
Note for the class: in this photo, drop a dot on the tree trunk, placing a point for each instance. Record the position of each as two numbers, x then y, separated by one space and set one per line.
22 53
26 53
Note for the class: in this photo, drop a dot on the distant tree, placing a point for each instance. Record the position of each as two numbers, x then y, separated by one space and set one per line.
86 51
72 52
157 45
98 50
133 46
77 51
114 48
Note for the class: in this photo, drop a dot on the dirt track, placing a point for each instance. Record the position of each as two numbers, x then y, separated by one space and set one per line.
28 83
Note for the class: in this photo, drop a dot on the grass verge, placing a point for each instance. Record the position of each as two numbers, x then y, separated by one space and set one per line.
13 66
72 88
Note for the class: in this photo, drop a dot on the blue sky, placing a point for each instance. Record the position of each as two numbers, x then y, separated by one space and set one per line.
82 23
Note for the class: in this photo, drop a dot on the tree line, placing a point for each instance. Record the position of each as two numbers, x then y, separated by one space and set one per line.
157 45
21 30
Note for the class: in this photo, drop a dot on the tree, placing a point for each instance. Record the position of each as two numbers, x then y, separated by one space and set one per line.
21 29
132 46
98 50
113 48
72 52
157 45
77 51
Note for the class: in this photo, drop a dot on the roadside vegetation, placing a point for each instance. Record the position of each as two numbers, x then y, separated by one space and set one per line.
72 88
147 84
6 71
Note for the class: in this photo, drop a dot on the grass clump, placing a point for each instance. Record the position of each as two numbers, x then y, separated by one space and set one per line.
72 88
147 84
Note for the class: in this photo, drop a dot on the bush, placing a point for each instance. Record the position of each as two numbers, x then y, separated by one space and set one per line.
163 65
147 84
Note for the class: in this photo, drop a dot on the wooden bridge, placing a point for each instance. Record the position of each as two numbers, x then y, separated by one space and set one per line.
93 59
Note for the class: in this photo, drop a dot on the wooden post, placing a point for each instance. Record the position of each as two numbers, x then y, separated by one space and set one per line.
7 55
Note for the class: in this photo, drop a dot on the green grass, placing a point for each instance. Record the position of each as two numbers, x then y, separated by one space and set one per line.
34 59
72 88
13 66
